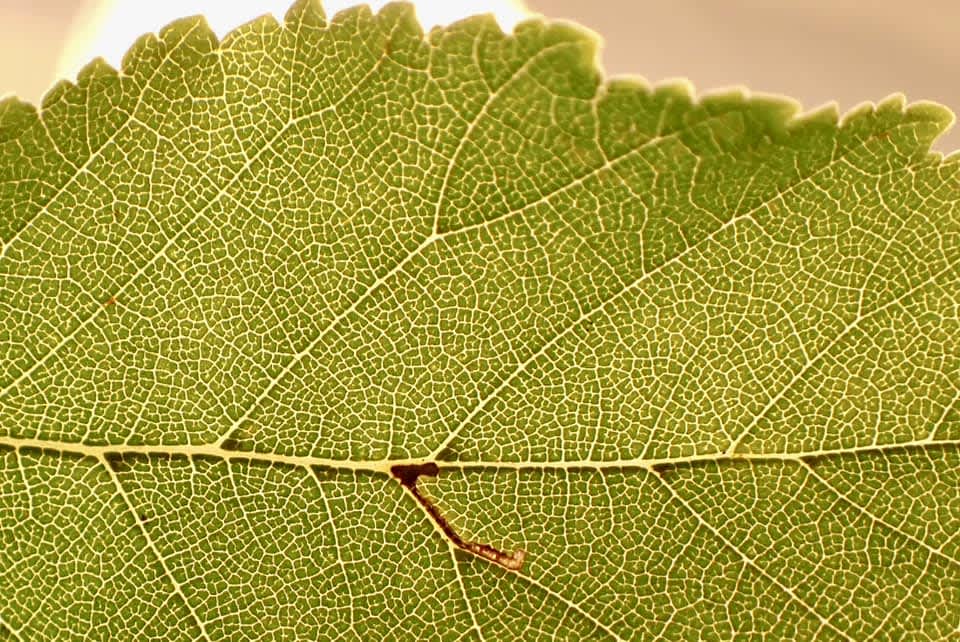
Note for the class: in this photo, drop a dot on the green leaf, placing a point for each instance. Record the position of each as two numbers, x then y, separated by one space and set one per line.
697 358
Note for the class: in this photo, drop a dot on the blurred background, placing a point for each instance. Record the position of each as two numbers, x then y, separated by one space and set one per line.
813 50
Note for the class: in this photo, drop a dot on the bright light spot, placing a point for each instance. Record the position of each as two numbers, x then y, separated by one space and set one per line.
111 28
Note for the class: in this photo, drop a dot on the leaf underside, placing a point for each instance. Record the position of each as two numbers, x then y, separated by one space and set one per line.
697 357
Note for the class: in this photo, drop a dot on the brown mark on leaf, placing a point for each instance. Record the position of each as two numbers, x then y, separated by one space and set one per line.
812 461
116 462
407 475
664 470
111 301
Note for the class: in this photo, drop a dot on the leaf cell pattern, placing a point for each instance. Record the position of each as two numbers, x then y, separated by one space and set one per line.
697 357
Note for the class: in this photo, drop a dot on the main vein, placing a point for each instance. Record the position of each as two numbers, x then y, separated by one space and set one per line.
384 465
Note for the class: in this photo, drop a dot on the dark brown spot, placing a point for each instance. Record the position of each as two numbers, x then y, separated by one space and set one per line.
116 463
111 301
663 470
408 473
813 461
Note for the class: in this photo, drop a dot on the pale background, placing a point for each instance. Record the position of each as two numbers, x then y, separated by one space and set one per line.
813 50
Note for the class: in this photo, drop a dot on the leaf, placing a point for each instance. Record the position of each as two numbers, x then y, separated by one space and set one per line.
697 358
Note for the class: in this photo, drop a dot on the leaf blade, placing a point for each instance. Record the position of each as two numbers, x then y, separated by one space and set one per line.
644 336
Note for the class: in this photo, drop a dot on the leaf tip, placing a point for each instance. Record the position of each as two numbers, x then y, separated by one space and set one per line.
930 119
826 114
940 117
305 12
16 115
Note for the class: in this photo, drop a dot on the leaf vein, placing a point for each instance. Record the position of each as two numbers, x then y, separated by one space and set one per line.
747 559
4 626
811 471
45 208
178 589
463 589
852 325
517 73
336 542
183 229
383 466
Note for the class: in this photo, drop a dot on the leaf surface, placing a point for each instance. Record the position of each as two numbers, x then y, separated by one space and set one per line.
698 358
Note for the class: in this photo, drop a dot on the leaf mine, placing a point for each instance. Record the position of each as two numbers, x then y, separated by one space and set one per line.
408 474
